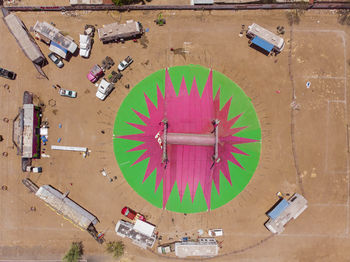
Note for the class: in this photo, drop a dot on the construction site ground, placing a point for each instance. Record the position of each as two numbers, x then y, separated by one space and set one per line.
304 136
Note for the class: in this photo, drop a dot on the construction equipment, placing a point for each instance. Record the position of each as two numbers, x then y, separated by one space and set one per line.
160 20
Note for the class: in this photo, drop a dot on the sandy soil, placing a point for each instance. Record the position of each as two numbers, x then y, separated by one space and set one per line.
310 142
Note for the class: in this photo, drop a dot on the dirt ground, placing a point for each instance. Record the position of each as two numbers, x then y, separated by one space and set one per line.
304 144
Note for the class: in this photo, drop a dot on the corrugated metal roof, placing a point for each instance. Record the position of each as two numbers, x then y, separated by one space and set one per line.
65 206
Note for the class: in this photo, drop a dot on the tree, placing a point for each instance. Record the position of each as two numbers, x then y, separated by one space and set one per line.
122 2
74 253
293 15
344 16
116 248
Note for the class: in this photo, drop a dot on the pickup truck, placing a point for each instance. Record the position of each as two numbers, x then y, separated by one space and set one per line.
125 63
85 46
95 73
104 89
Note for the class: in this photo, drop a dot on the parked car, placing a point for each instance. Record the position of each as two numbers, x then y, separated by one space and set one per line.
7 74
125 63
95 73
69 93
85 46
131 214
104 89
56 60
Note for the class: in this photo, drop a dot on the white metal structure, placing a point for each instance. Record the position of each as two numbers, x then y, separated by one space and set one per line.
84 45
144 227
104 89
292 209
268 36
204 247
70 148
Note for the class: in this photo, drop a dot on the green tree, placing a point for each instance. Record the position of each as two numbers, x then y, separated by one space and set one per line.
344 16
74 253
116 248
122 2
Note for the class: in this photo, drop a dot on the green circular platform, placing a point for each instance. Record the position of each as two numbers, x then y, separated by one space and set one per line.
135 173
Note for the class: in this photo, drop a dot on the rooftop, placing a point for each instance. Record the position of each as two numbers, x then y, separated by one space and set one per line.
126 229
54 34
66 207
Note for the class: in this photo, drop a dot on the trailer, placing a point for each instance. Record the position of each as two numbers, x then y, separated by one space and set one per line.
265 39
120 32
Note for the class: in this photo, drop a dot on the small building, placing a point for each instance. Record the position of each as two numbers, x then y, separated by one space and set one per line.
26 131
265 39
127 229
48 33
120 32
25 40
284 211
204 247
202 2
86 2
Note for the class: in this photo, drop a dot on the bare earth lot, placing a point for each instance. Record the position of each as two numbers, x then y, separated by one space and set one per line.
303 150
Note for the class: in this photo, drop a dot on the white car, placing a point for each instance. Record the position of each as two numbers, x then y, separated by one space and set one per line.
56 60
85 46
104 89
69 93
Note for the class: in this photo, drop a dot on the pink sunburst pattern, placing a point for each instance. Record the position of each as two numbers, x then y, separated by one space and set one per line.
188 165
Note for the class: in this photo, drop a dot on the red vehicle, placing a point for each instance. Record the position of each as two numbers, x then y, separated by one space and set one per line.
95 73
129 213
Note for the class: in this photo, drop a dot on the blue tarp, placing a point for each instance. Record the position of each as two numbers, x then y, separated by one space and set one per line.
262 43
274 213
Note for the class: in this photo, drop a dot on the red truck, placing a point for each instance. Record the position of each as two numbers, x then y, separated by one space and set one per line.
131 214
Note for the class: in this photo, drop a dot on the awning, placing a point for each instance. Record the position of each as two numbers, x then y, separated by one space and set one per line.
262 43
58 49
274 213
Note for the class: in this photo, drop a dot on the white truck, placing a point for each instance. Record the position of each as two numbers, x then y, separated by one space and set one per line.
104 89
85 46
125 63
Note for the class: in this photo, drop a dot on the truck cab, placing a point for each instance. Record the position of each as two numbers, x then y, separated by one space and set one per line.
95 73
104 89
